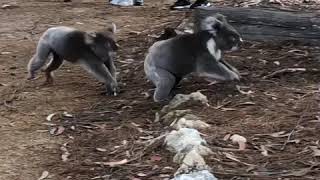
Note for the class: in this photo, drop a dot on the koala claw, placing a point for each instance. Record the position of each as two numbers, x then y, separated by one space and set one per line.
112 90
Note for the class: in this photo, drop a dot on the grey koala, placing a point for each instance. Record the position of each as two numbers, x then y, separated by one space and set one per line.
95 52
168 61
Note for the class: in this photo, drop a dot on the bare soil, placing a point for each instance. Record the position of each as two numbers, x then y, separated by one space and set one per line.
107 129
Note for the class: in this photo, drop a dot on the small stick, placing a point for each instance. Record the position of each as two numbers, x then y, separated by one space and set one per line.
286 70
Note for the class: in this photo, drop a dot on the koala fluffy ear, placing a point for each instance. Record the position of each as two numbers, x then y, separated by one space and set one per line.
211 24
221 17
113 28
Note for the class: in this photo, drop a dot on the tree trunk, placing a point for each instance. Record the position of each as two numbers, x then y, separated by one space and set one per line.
268 25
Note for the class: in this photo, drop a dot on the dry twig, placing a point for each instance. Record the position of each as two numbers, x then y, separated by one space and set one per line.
288 70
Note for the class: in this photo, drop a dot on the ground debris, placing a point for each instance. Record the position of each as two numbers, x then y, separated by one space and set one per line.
9 6
316 150
288 70
113 163
184 139
50 116
240 140
186 123
180 99
101 126
198 175
44 175
65 153
57 130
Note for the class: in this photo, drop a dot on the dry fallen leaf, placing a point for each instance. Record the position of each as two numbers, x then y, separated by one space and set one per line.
298 173
9 6
276 63
164 176
276 134
65 153
232 157
276 2
240 140
285 70
299 52
141 175
226 137
155 158
101 149
65 156
113 164
316 151
53 130
243 92
66 114
50 116
101 177
251 3
228 109
57 130
60 130
146 94
135 124
5 53
146 137
44 175
264 150
246 104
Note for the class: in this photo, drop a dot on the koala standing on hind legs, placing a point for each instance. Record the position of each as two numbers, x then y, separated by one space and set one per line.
168 61
95 52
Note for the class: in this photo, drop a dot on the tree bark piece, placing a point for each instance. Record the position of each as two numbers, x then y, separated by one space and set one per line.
268 25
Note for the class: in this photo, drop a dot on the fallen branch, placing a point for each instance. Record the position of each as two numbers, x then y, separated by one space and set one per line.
5 103
286 70
228 149
294 129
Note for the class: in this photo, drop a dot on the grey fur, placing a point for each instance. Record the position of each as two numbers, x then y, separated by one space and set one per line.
168 61
94 51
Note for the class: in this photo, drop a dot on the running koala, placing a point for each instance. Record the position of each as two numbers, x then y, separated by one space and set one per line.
168 61
95 52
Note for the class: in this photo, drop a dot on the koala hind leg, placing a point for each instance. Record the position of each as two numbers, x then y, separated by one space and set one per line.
98 69
164 82
53 65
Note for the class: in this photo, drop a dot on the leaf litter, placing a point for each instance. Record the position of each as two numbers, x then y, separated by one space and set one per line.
267 124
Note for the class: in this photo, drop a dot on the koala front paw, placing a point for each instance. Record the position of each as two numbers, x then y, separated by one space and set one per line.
31 76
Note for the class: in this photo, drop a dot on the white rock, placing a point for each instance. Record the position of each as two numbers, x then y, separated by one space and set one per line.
174 115
182 98
189 123
184 139
122 2
198 175
192 160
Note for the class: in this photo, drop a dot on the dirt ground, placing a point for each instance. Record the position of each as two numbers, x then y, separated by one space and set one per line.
278 115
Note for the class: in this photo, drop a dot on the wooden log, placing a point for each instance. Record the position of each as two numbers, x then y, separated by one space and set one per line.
268 25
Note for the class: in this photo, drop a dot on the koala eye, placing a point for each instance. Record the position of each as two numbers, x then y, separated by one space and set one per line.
216 26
